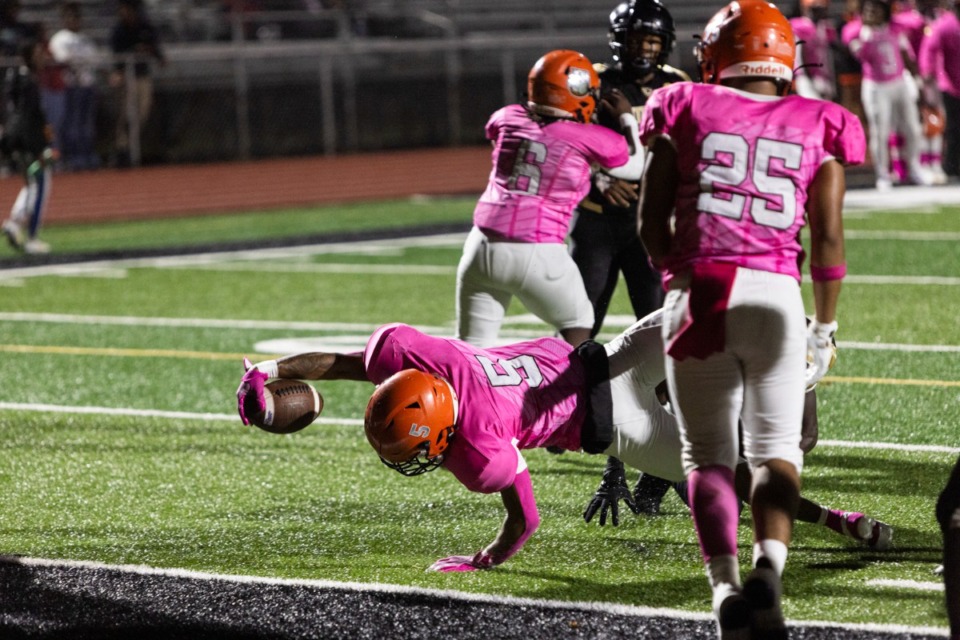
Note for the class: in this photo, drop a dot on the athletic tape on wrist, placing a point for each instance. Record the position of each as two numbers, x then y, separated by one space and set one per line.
269 367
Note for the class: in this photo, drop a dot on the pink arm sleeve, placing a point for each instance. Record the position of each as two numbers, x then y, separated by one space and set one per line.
527 510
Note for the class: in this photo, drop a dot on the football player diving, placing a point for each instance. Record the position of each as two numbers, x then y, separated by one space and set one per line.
443 403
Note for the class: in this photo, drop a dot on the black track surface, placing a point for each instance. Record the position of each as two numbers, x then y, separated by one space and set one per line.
80 603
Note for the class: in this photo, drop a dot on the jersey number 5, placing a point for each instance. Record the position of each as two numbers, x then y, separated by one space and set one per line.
735 152
506 373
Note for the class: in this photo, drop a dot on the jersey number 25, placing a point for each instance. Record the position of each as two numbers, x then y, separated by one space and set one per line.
736 152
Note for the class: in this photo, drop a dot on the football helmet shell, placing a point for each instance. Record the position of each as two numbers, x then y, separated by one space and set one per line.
410 419
633 19
563 84
747 39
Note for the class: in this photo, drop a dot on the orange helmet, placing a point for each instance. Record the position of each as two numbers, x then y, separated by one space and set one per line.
747 39
563 84
410 419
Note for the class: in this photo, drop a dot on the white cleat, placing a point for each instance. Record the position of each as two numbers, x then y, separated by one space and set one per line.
884 185
36 247
14 234
873 533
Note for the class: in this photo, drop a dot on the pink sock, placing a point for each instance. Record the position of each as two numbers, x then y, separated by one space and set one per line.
715 509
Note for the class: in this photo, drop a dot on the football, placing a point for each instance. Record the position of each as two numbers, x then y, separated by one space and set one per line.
291 405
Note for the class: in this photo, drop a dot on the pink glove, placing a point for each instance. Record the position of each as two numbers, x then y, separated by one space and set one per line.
250 390
459 564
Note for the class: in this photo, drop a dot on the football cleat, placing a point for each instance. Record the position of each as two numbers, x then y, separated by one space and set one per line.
872 533
14 234
649 493
35 246
762 590
732 613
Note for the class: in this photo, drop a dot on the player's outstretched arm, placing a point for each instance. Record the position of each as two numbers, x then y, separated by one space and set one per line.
613 488
521 521
322 366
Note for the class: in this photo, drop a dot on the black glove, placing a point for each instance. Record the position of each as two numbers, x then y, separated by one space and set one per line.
613 488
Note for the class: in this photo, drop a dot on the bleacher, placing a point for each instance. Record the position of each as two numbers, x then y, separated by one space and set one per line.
205 20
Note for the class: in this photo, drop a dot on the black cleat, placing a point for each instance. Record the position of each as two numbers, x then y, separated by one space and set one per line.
649 492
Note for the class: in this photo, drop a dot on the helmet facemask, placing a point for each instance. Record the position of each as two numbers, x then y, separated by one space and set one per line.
410 421
629 23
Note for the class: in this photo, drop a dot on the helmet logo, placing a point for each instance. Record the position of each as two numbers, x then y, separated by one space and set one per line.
419 430
578 81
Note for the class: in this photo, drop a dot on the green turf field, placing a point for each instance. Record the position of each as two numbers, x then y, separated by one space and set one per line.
120 443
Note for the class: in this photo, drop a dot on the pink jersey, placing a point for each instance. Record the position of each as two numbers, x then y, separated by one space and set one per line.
521 396
879 50
941 51
540 173
816 41
745 164
912 24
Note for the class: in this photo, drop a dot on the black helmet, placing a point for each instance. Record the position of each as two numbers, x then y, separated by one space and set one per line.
639 17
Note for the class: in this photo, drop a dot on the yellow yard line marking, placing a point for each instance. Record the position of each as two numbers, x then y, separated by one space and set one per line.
894 381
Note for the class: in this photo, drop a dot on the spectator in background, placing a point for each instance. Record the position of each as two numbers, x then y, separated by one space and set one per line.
13 32
939 56
815 36
53 91
26 141
77 52
13 35
133 35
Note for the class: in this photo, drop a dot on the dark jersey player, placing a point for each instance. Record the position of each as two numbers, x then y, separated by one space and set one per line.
604 240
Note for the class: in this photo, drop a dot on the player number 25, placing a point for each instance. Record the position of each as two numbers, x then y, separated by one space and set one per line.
774 189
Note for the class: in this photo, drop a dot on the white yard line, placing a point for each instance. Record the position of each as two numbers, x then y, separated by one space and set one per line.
906 197
363 329
221 257
147 413
231 417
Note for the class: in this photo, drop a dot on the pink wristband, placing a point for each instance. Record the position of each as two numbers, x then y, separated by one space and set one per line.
823 274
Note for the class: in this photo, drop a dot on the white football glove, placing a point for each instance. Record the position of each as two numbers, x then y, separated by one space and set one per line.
821 350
